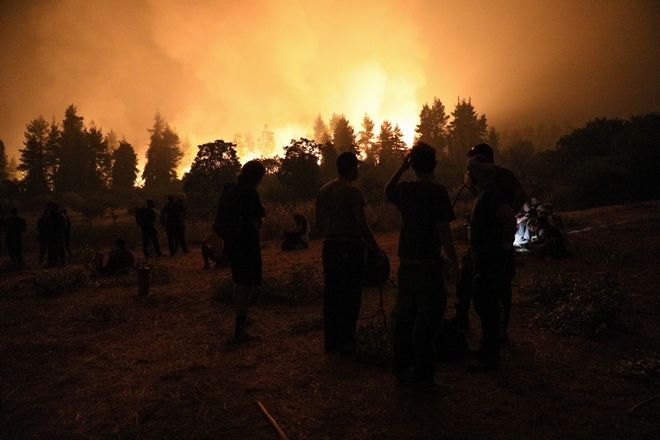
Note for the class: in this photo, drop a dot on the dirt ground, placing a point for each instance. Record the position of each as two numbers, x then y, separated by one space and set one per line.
102 362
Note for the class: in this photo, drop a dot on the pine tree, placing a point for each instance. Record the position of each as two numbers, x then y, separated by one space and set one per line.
33 156
73 154
432 127
99 160
385 144
52 152
465 130
124 166
321 134
343 135
163 155
365 140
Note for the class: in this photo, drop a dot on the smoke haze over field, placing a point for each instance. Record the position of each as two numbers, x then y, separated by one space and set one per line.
214 70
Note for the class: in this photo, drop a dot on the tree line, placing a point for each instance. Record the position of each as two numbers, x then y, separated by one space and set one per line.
72 157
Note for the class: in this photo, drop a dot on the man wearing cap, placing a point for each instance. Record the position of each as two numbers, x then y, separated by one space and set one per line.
426 212
512 192
340 217
492 229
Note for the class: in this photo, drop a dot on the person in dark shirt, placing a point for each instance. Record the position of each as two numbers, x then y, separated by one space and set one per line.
242 244
55 229
119 260
512 192
15 227
146 219
295 239
426 212
341 219
171 216
492 229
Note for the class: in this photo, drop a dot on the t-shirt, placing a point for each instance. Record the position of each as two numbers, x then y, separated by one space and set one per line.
173 214
15 226
337 208
485 227
423 204
247 204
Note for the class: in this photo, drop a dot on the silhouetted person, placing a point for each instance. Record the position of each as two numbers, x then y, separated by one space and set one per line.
492 229
146 219
181 230
240 214
42 235
119 260
55 230
295 239
340 217
514 195
15 228
171 216
213 249
67 232
426 212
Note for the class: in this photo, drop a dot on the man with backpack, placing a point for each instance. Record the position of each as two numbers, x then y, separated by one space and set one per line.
146 219
239 218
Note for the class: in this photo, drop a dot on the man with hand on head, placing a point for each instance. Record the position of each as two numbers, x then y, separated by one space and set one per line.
426 212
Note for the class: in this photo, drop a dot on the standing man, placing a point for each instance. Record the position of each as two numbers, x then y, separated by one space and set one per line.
146 219
15 228
426 212
492 229
340 217
170 217
240 215
514 195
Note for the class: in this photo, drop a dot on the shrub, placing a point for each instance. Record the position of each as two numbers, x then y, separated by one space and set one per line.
56 282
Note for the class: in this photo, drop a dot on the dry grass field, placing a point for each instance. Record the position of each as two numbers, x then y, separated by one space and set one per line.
86 358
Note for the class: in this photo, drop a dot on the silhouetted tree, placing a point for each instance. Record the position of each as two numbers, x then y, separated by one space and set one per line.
98 160
163 155
432 127
390 146
12 169
328 161
465 130
33 157
266 141
124 166
299 170
321 133
111 141
73 154
343 135
215 164
52 152
365 140
3 162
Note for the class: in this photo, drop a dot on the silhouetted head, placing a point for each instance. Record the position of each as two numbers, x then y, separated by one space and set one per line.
251 173
120 243
347 165
13 211
422 158
484 150
150 203
170 199
480 174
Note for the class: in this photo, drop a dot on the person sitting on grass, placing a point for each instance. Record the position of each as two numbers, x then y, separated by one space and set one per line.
120 260
295 239
213 249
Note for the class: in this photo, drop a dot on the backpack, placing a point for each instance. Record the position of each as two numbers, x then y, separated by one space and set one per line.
227 219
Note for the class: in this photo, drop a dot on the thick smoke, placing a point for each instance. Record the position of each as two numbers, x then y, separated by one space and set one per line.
215 69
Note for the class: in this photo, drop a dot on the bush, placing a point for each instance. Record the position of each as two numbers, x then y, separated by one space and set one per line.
57 282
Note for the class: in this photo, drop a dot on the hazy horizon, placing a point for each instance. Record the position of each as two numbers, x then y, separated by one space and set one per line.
217 70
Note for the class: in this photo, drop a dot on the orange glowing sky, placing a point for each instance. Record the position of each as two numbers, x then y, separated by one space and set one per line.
215 69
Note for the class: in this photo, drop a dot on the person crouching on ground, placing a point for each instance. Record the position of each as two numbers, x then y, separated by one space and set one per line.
492 230
426 212
340 217
120 260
